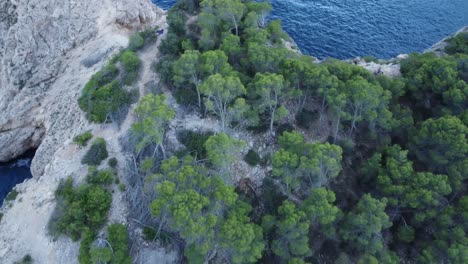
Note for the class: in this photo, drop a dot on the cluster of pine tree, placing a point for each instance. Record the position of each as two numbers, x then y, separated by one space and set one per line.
387 184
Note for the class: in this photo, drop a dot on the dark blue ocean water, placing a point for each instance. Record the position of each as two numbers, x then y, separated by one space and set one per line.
13 173
382 28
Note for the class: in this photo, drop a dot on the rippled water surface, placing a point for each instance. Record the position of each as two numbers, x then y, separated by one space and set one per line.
13 173
350 28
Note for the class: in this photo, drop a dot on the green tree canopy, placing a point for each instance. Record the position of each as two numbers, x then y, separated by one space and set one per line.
154 115
221 93
363 225
442 145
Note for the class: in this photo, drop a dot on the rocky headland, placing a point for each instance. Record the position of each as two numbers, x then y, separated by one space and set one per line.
48 51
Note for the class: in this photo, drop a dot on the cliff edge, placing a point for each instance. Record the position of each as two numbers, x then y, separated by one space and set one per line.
49 49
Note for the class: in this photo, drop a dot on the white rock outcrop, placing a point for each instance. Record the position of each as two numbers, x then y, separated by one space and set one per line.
42 43
48 51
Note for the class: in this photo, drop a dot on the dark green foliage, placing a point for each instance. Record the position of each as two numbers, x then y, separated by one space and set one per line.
131 67
82 139
103 95
370 58
205 212
27 259
96 153
112 163
84 256
96 177
118 239
434 84
194 142
149 35
305 118
122 187
252 158
364 223
149 233
136 42
101 102
457 44
12 195
309 201
79 209
442 145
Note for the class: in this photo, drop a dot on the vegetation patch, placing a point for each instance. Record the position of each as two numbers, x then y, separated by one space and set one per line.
252 158
79 209
82 139
96 153
194 142
457 44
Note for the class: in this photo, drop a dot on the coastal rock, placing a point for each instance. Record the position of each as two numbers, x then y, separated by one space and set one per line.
48 51
439 47
40 44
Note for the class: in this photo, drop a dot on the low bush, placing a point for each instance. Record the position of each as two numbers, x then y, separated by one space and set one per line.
118 239
112 163
252 158
305 118
149 36
131 67
122 187
100 103
27 259
96 153
370 58
136 42
84 256
186 97
103 177
79 209
82 139
12 195
194 142
457 44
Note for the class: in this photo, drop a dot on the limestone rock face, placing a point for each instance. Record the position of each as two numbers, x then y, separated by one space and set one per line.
42 43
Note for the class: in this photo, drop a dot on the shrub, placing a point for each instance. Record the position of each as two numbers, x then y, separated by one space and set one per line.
136 42
1 216
118 239
284 128
149 35
131 66
164 68
12 195
186 97
370 58
252 158
104 177
79 209
149 233
100 103
305 118
194 142
457 44
82 139
406 234
112 162
27 259
96 153
122 187
84 256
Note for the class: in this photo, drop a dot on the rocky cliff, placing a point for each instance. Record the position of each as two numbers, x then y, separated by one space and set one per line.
48 51
42 46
